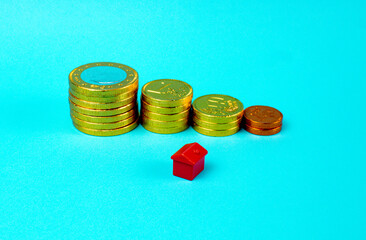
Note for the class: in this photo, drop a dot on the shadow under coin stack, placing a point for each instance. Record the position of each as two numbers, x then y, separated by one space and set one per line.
217 115
103 98
262 120
165 106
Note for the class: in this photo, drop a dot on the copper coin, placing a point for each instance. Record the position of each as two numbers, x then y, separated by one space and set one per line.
262 117
262 132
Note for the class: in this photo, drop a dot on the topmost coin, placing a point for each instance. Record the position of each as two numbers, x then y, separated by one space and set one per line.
262 117
167 93
218 108
104 79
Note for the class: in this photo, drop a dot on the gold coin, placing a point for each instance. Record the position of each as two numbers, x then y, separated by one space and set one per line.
215 133
165 110
96 105
216 126
167 93
170 130
218 108
107 133
104 126
165 117
103 79
163 124
109 119
262 132
102 112
113 99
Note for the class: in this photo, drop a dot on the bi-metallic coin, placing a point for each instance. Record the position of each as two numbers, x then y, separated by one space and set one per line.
117 98
97 105
106 133
104 79
102 112
108 119
103 126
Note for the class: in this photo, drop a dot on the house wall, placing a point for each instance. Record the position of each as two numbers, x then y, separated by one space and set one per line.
182 170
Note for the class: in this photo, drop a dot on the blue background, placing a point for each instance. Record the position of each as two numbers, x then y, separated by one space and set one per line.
306 58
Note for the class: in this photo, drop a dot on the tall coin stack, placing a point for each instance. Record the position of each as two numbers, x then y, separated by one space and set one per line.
165 106
103 98
262 120
217 115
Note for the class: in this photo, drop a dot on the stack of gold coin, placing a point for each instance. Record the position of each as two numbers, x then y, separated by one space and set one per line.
262 120
217 115
165 106
103 98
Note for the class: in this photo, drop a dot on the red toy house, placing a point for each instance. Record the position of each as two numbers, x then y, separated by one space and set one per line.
189 161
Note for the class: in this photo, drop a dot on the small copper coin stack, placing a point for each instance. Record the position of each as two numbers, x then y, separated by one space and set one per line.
165 106
103 98
262 120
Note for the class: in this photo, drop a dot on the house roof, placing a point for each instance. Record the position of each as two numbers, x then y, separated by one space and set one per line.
190 154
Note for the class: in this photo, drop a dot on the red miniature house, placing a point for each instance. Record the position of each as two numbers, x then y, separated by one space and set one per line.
189 161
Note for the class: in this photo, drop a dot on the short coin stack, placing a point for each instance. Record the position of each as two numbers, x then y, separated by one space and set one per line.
217 115
165 106
262 120
103 98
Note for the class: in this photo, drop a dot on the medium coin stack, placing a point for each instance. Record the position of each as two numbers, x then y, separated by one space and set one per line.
103 98
165 106
217 115
262 120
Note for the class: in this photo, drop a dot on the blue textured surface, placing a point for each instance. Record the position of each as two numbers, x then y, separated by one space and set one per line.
103 75
306 58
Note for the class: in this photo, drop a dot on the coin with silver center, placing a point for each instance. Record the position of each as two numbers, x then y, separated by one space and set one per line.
104 79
